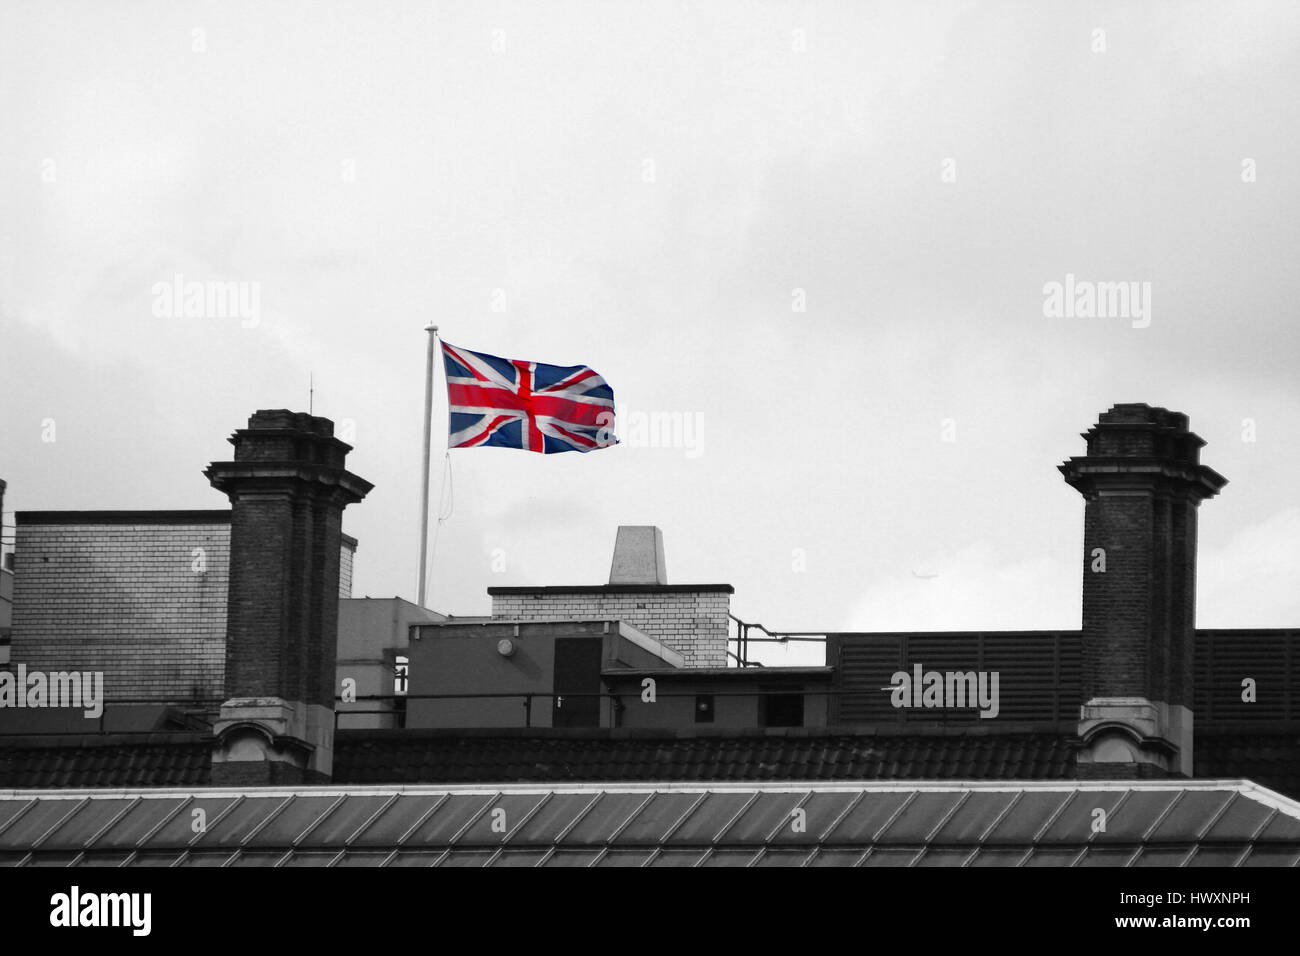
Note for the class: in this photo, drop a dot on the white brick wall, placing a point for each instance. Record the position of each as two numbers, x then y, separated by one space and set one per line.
127 600
692 623
346 555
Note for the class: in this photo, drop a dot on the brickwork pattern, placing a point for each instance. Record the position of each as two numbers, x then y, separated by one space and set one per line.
139 602
694 624
346 557
288 486
1117 605
1142 481
127 600
1141 610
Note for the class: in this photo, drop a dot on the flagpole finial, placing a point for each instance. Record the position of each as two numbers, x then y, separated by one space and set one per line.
431 328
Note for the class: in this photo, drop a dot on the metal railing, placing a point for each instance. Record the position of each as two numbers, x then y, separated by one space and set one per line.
743 638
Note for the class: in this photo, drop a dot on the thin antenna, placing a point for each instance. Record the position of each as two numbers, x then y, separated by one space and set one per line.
311 391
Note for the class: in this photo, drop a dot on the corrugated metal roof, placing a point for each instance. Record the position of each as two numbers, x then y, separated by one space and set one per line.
1211 823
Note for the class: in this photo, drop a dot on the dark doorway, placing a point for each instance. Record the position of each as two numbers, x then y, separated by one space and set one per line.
577 682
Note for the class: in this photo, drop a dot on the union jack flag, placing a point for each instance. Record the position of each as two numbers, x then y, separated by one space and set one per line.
513 403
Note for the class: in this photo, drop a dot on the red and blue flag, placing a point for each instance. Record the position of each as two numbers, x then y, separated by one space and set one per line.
511 403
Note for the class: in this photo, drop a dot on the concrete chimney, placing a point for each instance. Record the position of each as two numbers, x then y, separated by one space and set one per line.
638 556
287 487
1142 482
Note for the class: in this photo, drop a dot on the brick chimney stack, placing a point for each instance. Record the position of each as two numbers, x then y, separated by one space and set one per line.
287 487
1142 482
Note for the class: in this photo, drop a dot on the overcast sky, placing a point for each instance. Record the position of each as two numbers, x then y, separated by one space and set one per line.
821 230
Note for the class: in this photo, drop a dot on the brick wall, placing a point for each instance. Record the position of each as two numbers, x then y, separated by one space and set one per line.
1142 482
136 601
693 623
1117 604
145 604
346 556
1140 613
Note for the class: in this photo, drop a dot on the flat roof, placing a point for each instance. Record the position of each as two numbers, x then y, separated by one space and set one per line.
623 629
144 517
616 589
215 516
758 673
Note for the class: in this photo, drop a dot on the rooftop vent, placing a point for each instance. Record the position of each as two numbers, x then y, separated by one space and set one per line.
638 556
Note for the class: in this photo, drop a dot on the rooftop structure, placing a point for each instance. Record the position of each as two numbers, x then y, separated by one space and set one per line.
604 724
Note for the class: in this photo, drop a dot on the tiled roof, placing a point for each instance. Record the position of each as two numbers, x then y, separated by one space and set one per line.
503 756
1270 759
414 756
447 757
1215 823
118 760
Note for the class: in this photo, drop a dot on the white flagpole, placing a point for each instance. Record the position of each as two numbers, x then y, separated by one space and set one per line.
424 484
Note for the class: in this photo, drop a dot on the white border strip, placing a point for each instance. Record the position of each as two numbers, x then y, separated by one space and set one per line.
1245 788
